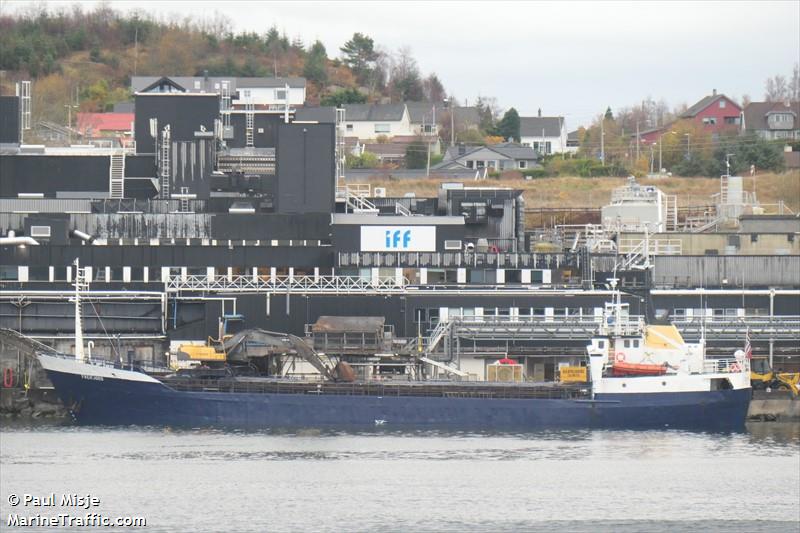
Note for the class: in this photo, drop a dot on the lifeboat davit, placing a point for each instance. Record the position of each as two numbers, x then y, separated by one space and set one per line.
621 368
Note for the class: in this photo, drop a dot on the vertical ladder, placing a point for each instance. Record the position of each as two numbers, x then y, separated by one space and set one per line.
164 165
250 119
24 93
81 286
116 175
339 153
184 201
671 205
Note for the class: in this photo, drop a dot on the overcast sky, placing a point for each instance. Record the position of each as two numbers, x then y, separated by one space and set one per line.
569 58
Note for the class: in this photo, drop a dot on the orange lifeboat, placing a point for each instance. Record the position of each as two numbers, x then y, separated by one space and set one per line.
621 368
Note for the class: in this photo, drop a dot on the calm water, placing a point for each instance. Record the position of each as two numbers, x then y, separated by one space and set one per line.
552 481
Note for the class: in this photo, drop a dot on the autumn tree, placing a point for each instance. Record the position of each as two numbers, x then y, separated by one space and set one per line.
406 85
433 88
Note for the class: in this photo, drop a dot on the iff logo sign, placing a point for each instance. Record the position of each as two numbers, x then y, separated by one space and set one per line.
393 238
398 238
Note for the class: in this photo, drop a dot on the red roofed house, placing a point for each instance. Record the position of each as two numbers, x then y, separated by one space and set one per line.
716 113
106 126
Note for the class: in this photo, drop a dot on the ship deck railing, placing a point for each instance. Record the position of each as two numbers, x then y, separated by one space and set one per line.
725 366
483 390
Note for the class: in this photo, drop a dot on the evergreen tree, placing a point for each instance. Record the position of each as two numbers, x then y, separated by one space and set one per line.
315 69
360 55
417 155
343 96
508 127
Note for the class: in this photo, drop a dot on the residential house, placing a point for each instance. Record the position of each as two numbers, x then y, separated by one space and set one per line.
546 135
772 120
716 113
422 116
114 127
499 157
573 141
262 93
370 121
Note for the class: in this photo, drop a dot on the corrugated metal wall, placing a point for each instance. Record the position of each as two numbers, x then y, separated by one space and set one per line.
710 271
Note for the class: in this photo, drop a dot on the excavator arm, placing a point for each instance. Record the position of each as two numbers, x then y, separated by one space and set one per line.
279 344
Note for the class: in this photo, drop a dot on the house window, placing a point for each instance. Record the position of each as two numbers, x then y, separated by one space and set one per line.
428 128
470 164
280 94
523 164
349 127
382 128
709 121
480 164
731 120
722 104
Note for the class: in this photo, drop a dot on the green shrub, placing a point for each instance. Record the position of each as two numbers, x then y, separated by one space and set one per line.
536 173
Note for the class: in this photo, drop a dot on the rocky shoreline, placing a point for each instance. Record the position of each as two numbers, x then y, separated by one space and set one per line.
17 404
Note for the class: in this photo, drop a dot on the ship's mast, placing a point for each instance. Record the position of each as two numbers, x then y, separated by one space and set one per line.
80 284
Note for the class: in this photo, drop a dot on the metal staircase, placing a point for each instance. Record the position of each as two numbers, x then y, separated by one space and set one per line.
357 203
116 175
400 209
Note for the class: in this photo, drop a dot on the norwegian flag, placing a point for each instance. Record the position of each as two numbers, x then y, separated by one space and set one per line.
748 349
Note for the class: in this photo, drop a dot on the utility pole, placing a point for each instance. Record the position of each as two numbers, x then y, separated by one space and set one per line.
430 136
660 142
652 157
69 121
637 140
603 141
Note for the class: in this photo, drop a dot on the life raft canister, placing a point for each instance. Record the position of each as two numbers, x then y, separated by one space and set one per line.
619 357
8 378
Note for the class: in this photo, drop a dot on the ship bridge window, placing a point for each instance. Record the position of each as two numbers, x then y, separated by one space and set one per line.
635 343
9 273
601 344
115 274
137 273
482 276
627 343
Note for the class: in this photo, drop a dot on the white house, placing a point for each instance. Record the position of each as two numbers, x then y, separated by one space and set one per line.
546 135
369 121
263 93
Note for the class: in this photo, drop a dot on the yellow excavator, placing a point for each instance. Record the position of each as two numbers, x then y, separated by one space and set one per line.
762 376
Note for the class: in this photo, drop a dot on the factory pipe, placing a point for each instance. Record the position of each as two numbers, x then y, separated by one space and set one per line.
81 235
11 239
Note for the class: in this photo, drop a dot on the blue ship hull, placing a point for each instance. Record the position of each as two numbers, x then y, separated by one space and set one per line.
123 402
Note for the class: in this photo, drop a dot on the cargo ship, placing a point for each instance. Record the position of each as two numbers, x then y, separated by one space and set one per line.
638 377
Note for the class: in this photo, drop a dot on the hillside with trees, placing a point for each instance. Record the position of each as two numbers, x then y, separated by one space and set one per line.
86 59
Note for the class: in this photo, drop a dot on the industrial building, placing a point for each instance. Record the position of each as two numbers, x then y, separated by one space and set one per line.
225 218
